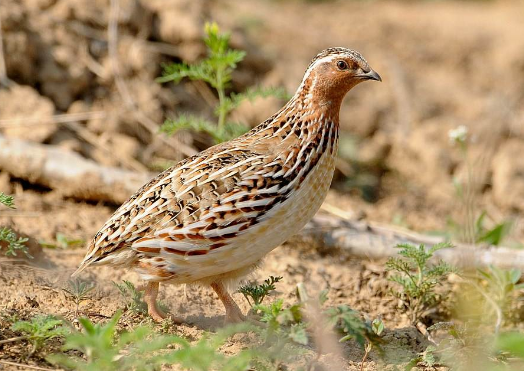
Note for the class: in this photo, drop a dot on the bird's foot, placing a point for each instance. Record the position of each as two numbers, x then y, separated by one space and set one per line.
159 316
234 315
150 295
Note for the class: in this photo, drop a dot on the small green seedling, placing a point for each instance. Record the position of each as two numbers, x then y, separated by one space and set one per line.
282 322
427 358
8 237
499 287
63 242
40 329
205 356
7 200
377 326
134 298
255 294
13 243
494 235
350 323
417 279
215 70
141 349
78 290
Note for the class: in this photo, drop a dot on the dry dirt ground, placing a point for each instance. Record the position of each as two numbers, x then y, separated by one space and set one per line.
444 64
31 287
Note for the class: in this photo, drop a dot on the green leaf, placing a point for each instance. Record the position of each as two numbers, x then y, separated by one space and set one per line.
512 342
7 200
298 334
15 244
378 326
496 235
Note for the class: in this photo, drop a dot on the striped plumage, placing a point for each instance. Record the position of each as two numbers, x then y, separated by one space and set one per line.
214 216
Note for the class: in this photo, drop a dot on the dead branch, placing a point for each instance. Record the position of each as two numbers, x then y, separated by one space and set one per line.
56 119
4 80
68 172
377 241
80 178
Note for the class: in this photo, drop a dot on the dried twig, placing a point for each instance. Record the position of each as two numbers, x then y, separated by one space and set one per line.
67 171
4 80
56 119
378 241
146 122
12 340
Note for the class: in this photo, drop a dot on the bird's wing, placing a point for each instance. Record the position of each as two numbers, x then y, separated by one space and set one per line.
198 205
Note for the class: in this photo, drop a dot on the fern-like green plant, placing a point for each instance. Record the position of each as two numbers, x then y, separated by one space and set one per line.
78 291
40 329
216 70
255 294
134 299
7 200
8 237
416 278
349 322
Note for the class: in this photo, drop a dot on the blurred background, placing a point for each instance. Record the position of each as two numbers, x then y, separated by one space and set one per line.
80 75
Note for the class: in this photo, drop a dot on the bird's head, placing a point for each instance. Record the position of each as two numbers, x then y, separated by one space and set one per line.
333 72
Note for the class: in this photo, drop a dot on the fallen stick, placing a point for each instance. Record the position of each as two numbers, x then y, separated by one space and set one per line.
71 174
84 179
378 241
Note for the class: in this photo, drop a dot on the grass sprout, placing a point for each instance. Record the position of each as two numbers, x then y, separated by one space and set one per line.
216 70
416 278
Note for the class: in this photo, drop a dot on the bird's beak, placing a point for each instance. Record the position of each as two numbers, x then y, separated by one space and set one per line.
371 75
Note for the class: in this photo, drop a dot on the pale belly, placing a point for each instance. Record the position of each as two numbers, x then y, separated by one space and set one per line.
249 248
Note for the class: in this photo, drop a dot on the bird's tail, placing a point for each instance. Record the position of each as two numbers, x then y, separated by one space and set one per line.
89 258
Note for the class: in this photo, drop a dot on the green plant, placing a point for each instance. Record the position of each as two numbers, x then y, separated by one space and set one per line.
142 349
7 200
427 358
13 242
78 290
257 293
215 70
8 238
134 298
102 352
481 231
204 355
494 235
417 279
282 322
511 342
499 288
377 326
63 242
350 323
40 328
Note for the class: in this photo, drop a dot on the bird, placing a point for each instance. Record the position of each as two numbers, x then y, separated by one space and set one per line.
211 218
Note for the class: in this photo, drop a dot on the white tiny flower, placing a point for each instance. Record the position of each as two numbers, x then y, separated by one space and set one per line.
459 134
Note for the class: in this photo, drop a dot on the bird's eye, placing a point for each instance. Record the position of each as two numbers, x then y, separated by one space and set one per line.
342 65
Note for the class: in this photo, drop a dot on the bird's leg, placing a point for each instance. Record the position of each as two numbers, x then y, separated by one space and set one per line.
150 295
233 312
